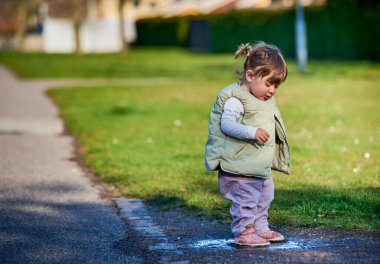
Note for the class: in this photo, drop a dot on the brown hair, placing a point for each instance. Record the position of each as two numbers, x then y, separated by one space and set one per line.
263 59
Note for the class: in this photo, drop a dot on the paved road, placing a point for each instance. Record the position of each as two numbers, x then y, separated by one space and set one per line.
50 212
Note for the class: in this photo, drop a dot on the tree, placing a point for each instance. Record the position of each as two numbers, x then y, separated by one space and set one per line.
23 10
124 43
77 13
22 22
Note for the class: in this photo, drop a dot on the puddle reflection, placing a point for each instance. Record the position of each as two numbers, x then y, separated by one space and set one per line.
215 243
229 244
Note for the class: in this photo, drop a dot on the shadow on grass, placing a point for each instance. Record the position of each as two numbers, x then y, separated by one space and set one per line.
317 206
310 206
125 110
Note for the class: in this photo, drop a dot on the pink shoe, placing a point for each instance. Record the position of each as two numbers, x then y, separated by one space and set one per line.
249 238
272 236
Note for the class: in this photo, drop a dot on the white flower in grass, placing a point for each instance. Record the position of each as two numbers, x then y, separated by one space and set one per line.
367 155
149 140
302 133
356 169
332 129
177 122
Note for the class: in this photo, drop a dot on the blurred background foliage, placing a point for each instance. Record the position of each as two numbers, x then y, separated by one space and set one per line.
342 29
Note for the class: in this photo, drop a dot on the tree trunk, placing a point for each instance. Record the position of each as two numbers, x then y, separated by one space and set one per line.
76 18
124 43
22 21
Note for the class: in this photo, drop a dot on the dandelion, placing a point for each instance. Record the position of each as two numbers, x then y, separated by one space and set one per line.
331 129
303 132
149 140
367 155
177 123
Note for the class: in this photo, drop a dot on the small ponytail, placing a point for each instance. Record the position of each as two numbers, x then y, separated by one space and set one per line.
263 59
244 49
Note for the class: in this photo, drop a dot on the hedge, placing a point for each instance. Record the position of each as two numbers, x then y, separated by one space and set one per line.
342 29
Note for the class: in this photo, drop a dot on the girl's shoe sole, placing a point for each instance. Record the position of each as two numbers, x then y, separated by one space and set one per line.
277 239
254 245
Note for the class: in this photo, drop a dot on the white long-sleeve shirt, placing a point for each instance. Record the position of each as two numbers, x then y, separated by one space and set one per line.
233 112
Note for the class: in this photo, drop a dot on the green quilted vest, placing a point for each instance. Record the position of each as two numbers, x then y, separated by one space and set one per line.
247 157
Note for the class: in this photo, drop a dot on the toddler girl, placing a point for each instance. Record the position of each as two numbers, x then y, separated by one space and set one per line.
247 139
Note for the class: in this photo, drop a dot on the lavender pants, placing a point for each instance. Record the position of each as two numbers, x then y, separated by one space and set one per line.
251 197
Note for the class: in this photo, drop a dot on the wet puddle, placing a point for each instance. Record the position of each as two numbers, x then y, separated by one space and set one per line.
214 243
290 244
134 210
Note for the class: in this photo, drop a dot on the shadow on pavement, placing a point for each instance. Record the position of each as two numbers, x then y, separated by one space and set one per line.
38 231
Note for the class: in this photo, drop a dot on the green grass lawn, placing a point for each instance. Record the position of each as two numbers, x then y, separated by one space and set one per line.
148 139
147 63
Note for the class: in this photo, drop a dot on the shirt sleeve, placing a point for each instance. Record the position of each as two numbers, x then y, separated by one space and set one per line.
233 112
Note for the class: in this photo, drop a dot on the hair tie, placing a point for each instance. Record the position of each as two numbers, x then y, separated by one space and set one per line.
244 49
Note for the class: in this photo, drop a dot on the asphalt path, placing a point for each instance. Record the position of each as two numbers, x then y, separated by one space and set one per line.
173 236
50 211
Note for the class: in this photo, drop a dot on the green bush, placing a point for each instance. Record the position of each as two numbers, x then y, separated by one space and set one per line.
158 32
339 30
229 30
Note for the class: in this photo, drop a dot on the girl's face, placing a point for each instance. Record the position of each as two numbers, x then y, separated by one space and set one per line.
259 86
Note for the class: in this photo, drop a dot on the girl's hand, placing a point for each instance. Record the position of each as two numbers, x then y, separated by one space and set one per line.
261 136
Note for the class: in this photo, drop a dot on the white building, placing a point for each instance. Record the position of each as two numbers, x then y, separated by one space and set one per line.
99 30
